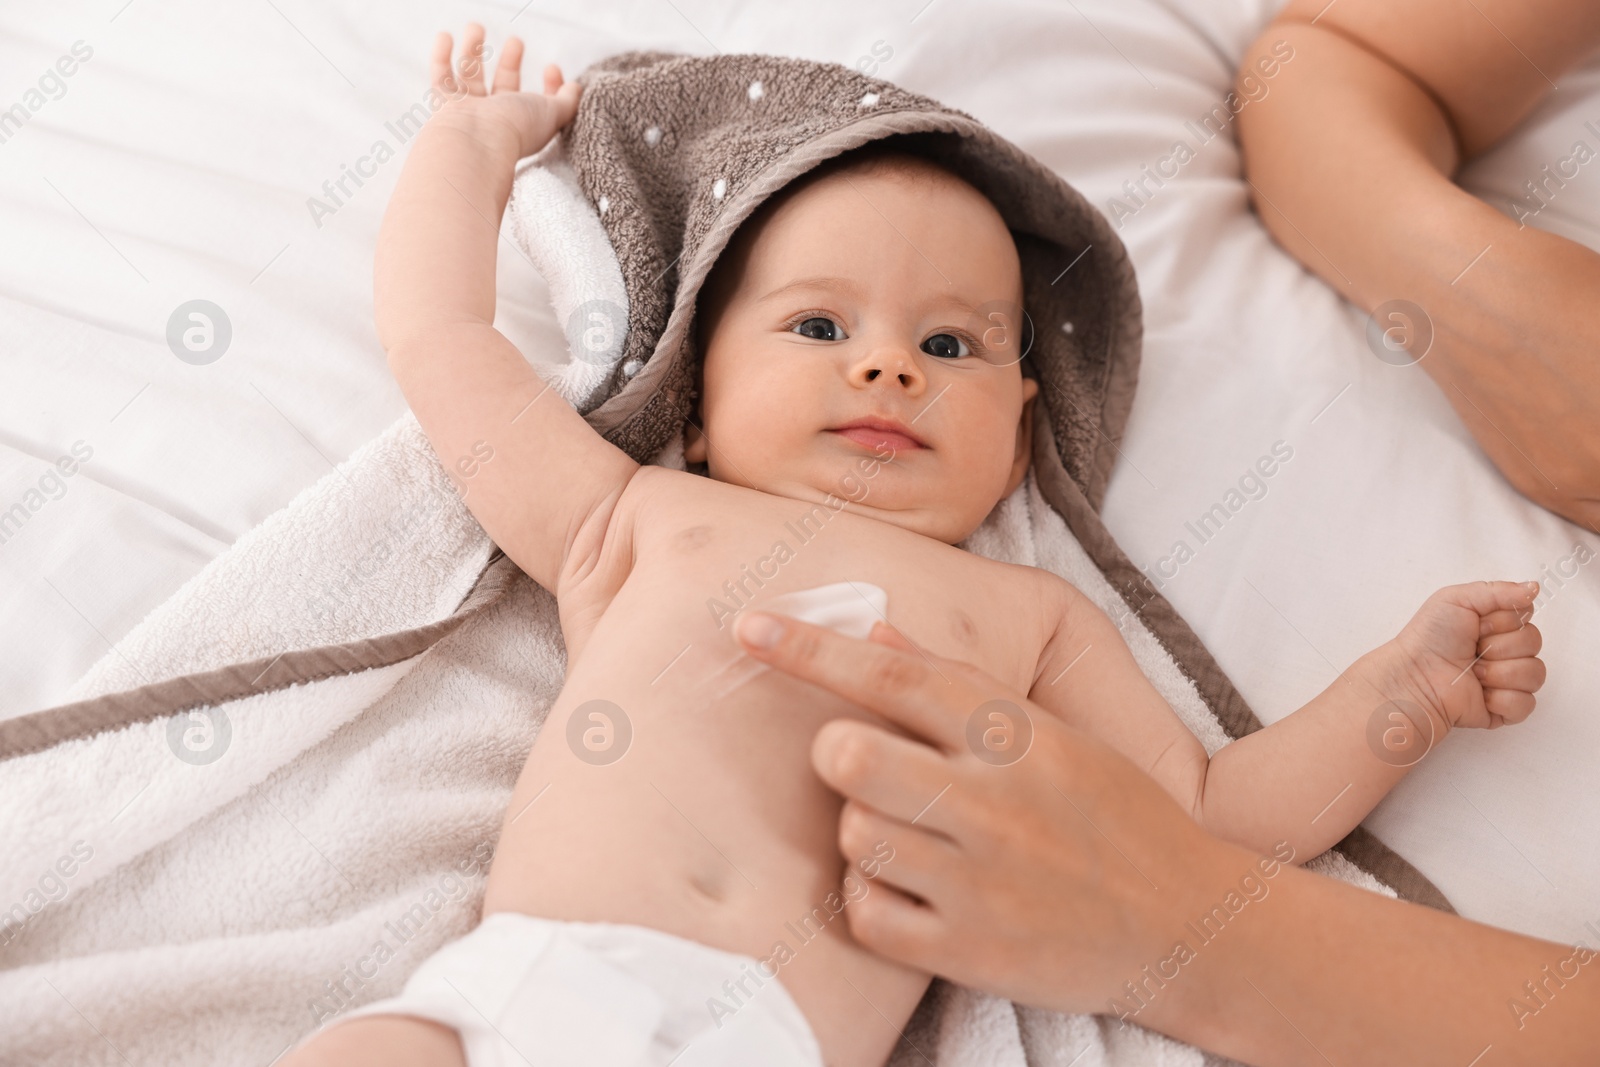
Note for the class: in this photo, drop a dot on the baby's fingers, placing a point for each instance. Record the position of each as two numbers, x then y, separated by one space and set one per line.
1511 705
1499 622
1488 597
508 73
1515 644
1526 675
439 73
471 65
564 96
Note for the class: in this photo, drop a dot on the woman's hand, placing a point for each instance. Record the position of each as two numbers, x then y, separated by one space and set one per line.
529 120
1050 872
1067 877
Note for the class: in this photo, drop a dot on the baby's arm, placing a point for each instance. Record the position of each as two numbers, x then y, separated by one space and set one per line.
552 482
1466 659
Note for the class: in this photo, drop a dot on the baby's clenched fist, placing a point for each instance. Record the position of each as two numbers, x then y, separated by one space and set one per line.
1472 654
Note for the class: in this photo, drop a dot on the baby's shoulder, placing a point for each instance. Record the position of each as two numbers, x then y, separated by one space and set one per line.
1034 582
658 495
1025 594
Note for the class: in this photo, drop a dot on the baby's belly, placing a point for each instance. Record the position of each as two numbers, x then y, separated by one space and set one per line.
682 798
728 783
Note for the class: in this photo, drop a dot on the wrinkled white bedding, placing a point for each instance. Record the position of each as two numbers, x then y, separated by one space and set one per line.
177 160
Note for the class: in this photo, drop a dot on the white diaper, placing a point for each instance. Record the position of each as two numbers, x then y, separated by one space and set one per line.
525 990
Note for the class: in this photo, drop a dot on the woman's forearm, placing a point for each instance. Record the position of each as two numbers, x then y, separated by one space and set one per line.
1320 972
1355 151
1350 164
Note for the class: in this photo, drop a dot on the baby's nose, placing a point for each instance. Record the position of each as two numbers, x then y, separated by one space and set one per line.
889 365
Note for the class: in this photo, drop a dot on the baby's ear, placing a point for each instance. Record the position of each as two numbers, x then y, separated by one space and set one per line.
1019 463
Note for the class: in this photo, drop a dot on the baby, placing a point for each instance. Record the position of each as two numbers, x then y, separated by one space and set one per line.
668 884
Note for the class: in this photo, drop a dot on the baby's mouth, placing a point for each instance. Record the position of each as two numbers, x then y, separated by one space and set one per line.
880 435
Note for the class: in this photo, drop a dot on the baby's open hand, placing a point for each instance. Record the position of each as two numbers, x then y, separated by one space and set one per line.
532 119
1473 654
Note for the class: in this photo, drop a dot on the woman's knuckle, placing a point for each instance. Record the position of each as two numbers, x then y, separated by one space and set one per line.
805 646
895 672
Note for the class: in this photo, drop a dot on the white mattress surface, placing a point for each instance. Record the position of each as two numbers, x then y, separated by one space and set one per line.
177 161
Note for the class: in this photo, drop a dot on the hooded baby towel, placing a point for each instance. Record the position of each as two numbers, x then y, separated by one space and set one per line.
675 152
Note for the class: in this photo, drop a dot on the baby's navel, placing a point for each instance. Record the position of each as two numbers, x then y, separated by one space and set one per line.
707 884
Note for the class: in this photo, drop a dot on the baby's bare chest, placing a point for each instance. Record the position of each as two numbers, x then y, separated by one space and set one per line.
696 561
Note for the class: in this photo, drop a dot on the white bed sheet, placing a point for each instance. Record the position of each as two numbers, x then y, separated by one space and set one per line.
179 162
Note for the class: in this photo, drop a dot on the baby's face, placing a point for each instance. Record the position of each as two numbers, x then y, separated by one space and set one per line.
866 345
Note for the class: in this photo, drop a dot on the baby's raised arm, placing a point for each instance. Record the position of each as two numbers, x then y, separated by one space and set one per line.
552 482
1468 658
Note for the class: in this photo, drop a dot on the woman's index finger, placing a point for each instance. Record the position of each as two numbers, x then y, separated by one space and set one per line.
905 687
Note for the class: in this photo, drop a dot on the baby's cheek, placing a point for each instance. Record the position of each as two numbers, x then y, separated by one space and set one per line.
776 409
758 434
988 482
992 449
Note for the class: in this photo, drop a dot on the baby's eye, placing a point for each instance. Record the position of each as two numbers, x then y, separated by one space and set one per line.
820 329
946 346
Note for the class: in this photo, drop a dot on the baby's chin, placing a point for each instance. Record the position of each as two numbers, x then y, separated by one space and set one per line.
927 514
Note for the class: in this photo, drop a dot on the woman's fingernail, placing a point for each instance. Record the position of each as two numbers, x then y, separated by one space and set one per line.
760 631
